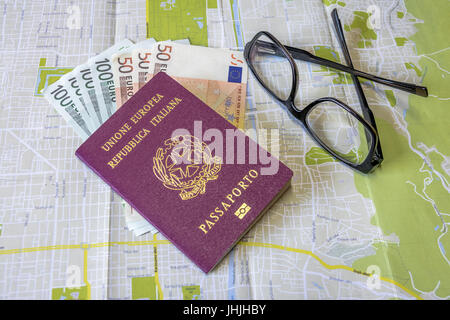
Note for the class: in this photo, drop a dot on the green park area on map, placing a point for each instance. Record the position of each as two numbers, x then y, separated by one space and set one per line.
191 292
48 75
178 20
416 221
143 288
80 293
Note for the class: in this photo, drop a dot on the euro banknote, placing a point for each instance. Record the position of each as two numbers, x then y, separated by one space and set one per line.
59 97
199 62
141 64
124 65
135 222
70 82
91 93
122 68
102 73
218 77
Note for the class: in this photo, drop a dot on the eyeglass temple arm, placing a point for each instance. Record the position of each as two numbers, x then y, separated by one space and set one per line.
303 55
367 113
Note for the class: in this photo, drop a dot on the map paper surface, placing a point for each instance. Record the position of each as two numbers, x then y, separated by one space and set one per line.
335 234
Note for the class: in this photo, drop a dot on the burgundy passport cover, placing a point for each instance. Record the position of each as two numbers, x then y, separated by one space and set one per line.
203 207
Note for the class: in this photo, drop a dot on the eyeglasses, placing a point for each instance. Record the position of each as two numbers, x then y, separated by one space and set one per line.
345 134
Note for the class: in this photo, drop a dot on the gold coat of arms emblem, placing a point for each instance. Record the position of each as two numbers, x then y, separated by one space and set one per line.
185 163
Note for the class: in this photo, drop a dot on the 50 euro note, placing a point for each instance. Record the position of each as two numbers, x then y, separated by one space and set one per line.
141 64
122 67
218 77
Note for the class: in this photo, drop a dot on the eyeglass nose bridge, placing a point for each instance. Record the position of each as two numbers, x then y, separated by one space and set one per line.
266 48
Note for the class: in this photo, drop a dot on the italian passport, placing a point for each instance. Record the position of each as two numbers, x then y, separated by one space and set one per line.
193 175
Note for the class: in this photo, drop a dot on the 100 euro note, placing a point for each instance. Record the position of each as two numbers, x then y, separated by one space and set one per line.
103 76
70 82
74 96
67 106
91 94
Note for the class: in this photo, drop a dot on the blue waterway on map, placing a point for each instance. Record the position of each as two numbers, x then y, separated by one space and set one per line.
442 247
231 276
237 24
199 21
240 41
317 286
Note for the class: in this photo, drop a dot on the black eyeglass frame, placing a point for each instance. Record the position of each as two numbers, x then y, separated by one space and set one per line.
374 156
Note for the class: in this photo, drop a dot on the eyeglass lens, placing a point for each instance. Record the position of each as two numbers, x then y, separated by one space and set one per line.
340 131
272 67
